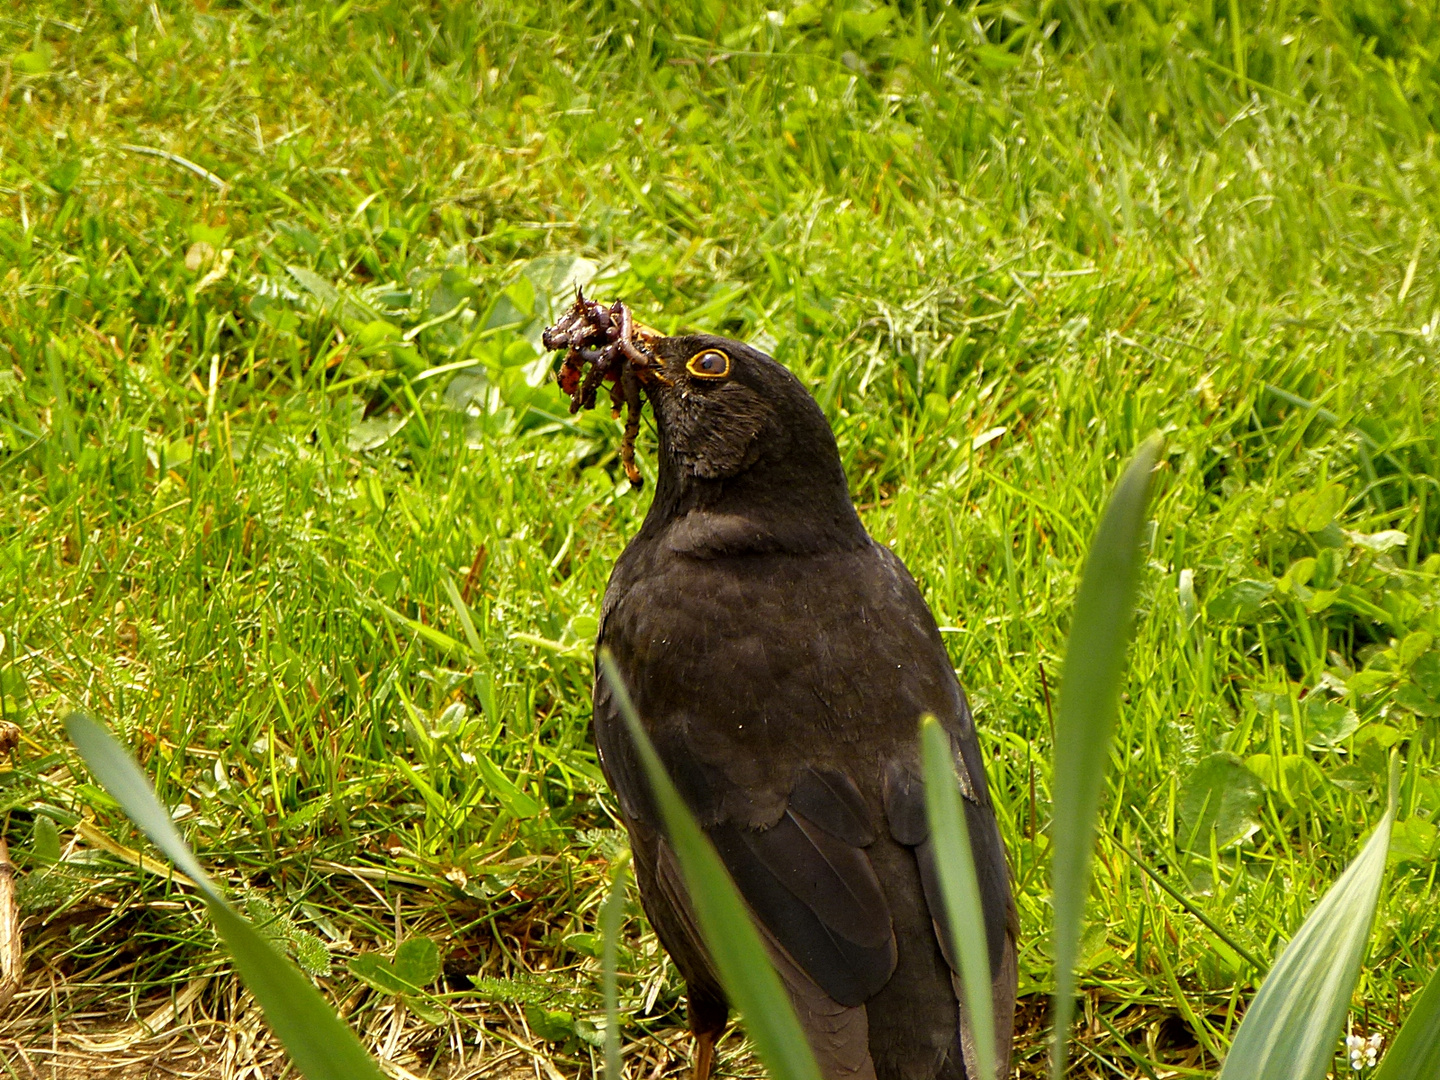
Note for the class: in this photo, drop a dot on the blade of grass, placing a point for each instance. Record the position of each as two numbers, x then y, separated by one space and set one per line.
734 944
1290 1029
320 1044
1204 919
956 865
1416 1050
610 919
1085 724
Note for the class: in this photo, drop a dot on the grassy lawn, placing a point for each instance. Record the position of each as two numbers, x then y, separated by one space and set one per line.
288 499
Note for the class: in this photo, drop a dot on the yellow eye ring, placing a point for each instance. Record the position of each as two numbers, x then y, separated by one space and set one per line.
709 364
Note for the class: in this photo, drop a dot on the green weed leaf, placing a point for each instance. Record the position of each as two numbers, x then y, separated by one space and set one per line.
1311 511
319 1043
414 967
1416 1050
552 1025
611 918
1085 724
520 991
956 865
1290 1029
44 842
31 62
280 930
1240 601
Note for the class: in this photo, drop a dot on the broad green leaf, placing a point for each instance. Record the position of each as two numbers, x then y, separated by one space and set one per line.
1311 511
860 26
1426 673
374 433
1416 700
734 944
1327 723
1240 601
45 842
1289 1031
1085 724
1414 646
1379 542
555 277
1416 1050
956 865
1413 840
552 1025
64 176
1291 777
1324 724
415 966
318 1041
1221 796
585 944
32 62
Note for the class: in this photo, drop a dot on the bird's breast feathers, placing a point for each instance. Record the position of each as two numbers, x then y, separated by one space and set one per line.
768 655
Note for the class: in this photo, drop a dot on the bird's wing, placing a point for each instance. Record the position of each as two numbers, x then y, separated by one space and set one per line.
811 883
806 876
905 813
839 1035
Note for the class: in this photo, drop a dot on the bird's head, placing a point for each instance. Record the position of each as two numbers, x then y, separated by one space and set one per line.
741 437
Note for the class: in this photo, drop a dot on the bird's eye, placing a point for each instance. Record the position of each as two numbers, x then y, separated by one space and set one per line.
710 364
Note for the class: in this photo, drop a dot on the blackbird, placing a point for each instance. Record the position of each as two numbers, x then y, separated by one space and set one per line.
781 661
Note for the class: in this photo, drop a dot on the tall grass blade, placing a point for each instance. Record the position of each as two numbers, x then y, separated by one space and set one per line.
610 918
1416 1050
735 947
956 865
1089 693
319 1043
1290 1029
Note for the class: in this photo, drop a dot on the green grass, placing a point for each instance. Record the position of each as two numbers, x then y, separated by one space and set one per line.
232 491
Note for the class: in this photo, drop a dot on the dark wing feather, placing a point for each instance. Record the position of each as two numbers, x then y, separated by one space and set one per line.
1002 1008
905 813
621 765
830 800
817 930
832 878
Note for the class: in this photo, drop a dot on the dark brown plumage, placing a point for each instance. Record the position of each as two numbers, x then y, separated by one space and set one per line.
781 661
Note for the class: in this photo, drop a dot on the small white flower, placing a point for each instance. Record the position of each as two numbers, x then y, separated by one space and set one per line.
1364 1052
